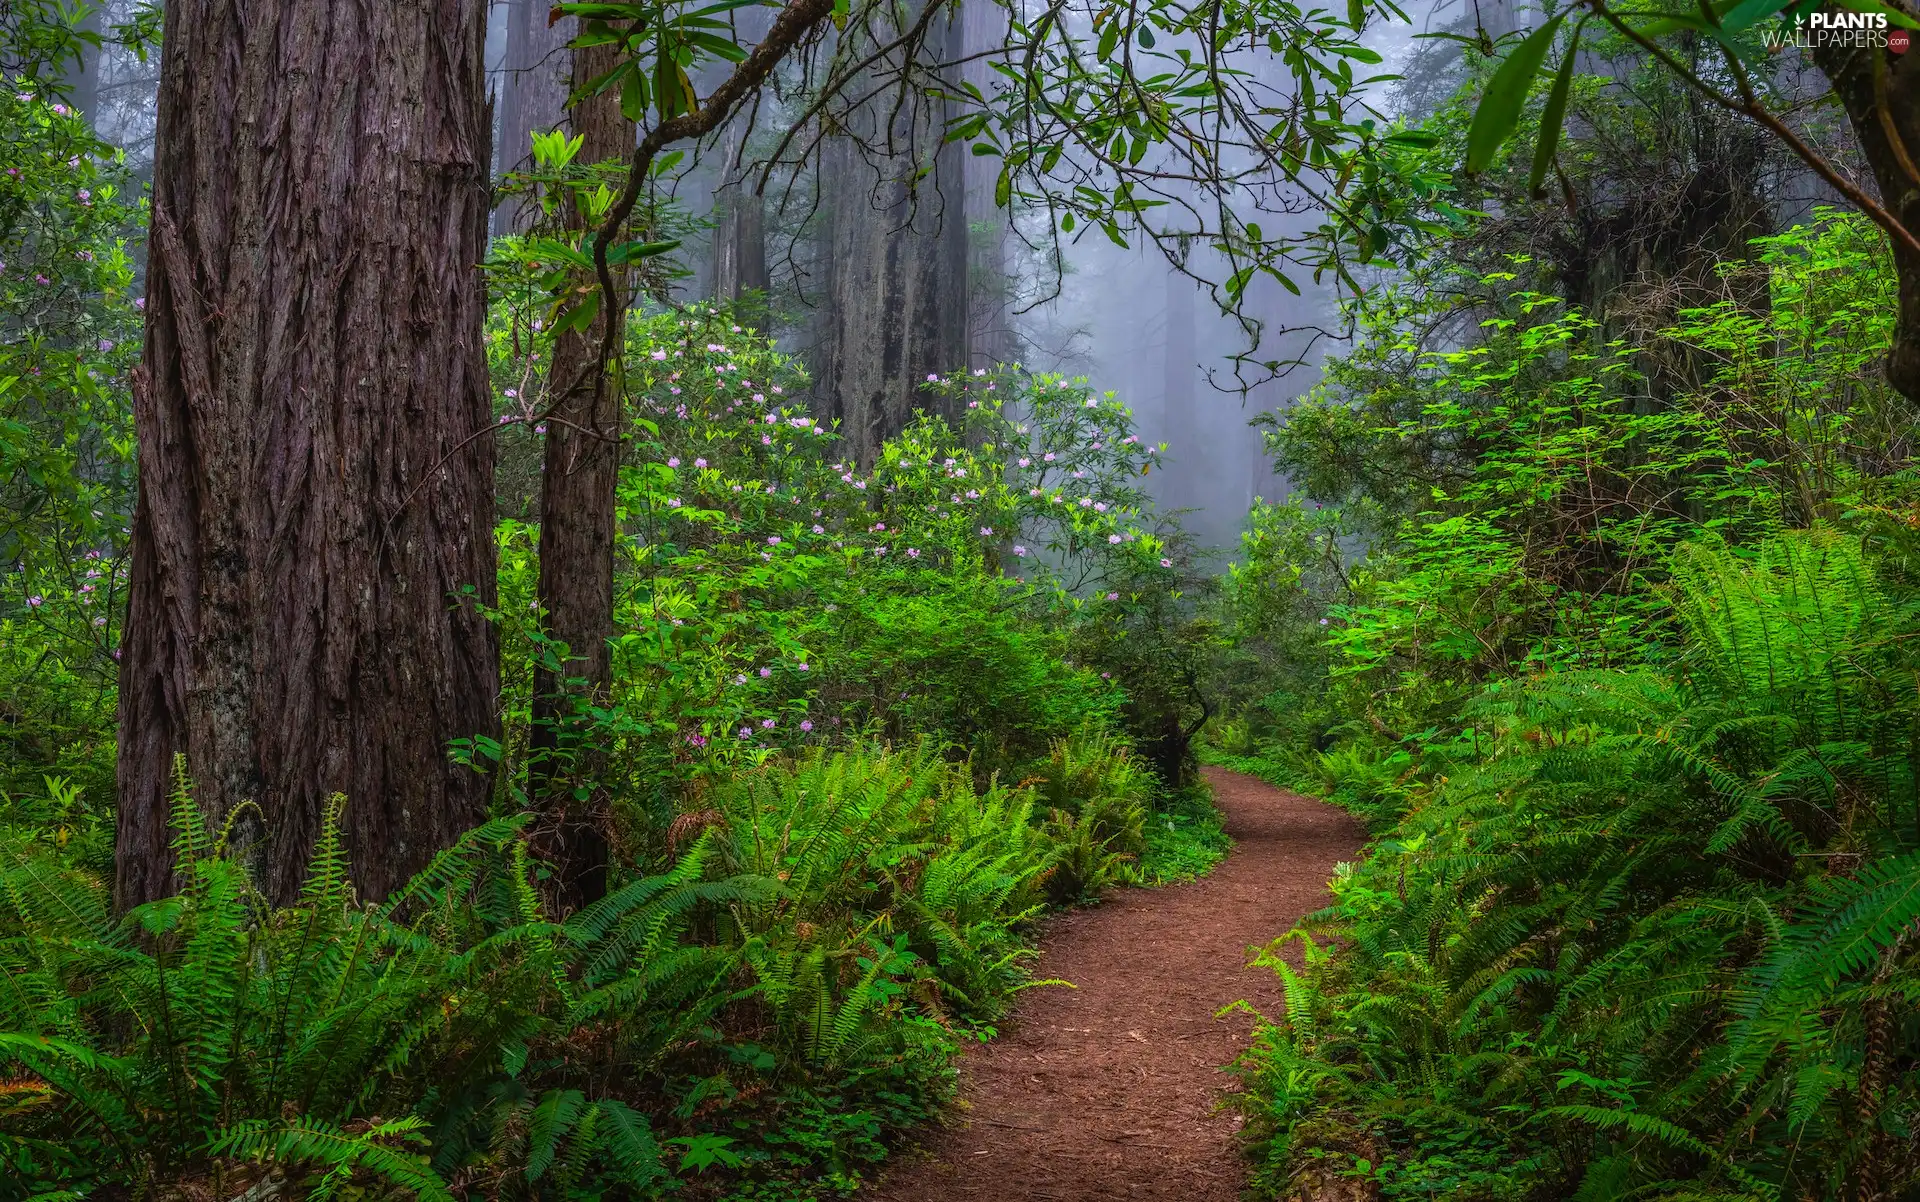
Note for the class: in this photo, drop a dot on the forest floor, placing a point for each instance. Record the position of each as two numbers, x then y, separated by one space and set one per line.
1114 1089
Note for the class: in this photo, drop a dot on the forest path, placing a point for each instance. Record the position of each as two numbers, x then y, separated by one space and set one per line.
1112 1089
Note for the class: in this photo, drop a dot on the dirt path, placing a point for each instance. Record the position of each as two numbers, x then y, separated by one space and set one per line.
1111 1090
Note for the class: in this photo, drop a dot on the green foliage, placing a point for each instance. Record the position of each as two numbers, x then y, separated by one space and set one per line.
771 598
1185 836
1599 617
69 331
1663 918
768 1008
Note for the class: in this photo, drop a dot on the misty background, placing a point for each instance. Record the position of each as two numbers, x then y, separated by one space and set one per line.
875 276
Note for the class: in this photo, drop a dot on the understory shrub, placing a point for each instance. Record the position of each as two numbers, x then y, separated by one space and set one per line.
766 1010
1656 940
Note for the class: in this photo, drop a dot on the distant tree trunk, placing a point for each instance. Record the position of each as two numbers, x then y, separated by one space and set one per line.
308 513
739 264
1880 91
536 78
894 308
990 334
577 493
740 237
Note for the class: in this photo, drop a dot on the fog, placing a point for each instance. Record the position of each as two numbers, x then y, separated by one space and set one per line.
1132 323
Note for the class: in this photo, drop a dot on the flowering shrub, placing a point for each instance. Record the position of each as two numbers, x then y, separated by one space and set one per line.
771 594
69 330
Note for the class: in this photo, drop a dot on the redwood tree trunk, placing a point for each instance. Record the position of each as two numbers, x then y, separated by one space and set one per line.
894 241
577 490
309 506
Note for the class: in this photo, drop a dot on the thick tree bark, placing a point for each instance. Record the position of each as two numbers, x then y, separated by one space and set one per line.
895 249
533 95
309 504
1881 92
577 495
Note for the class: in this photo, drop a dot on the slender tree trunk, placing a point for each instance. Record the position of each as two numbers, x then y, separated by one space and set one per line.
1880 91
309 507
577 494
533 95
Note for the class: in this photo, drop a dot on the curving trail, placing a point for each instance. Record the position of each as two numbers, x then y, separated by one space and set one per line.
1112 1090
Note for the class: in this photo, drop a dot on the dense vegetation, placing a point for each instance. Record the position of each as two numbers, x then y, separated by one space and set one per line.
850 758
1596 597
1623 684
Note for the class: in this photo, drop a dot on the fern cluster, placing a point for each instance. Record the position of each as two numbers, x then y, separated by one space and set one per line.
1655 940
786 990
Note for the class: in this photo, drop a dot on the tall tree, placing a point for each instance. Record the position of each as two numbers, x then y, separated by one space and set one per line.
311 502
577 504
740 227
894 243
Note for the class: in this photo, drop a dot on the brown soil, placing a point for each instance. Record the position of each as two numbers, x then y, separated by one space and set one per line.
1113 1089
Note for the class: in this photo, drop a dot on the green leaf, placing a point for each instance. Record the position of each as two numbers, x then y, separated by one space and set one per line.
1109 39
633 95
1357 14
1146 37
1750 12
1552 118
1506 92
1673 22
627 252
1003 189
